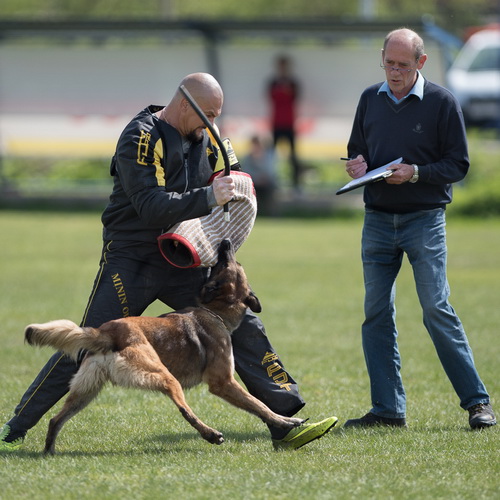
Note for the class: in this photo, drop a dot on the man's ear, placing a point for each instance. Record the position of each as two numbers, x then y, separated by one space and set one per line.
421 61
253 303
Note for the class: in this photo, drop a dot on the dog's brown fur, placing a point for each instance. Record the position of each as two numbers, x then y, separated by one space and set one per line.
174 351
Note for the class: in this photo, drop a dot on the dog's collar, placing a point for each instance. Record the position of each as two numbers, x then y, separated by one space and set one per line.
215 316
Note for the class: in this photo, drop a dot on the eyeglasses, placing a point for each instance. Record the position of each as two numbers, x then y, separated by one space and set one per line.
392 68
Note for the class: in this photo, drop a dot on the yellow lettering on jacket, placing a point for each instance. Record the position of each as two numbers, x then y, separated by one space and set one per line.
142 147
158 157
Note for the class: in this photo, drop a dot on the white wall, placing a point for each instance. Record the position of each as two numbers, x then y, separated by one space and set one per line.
63 100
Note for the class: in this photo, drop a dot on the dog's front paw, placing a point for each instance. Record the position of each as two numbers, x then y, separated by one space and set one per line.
220 439
215 437
296 422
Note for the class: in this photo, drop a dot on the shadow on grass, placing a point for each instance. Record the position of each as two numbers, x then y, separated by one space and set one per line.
189 442
185 442
427 429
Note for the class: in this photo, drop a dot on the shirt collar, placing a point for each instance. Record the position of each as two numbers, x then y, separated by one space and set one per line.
417 89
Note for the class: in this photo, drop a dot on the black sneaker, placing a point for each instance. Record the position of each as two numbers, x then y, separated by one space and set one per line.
481 416
370 420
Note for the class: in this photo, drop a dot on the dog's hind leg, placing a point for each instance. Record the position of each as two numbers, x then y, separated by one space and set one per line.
85 386
141 367
75 403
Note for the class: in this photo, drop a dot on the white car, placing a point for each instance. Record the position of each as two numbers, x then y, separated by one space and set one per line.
474 78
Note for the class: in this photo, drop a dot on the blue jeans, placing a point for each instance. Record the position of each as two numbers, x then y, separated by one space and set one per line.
422 236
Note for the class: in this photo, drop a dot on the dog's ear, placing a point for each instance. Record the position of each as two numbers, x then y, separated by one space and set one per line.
253 303
209 292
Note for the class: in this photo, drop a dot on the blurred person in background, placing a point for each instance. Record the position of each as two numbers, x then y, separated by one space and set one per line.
283 92
260 164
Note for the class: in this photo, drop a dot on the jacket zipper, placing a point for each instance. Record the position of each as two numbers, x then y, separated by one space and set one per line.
186 172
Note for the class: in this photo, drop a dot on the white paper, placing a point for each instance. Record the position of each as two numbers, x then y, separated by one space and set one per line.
371 176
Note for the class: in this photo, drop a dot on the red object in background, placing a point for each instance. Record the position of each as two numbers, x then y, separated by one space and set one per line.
474 29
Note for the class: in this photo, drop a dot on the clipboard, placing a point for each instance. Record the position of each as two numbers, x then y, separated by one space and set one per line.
372 176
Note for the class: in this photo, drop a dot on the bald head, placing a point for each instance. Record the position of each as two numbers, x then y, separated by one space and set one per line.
406 36
201 86
179 113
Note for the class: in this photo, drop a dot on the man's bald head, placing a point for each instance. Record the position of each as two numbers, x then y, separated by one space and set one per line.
405 35
179 113
202 86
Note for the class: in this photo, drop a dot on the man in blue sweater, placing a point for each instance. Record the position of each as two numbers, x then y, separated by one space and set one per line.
410 117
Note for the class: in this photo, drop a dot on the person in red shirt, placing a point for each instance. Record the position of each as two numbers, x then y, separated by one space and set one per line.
283 93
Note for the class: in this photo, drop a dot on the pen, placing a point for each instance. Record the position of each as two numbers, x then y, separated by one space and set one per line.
346 159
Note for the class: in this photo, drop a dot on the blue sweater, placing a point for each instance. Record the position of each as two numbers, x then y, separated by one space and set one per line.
429 133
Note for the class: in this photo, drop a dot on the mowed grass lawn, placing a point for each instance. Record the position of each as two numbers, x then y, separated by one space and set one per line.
307 273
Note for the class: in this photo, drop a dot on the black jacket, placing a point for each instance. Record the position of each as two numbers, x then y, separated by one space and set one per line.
156 184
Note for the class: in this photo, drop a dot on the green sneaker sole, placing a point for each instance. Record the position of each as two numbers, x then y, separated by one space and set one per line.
9 445
304 434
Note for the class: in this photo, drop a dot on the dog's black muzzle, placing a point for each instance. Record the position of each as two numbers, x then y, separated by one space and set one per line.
226 251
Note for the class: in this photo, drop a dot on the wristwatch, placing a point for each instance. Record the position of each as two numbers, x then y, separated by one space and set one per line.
414 177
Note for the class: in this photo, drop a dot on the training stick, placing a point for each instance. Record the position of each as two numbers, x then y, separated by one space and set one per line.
206 121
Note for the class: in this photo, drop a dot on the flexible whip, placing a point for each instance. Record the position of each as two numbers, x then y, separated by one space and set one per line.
206 121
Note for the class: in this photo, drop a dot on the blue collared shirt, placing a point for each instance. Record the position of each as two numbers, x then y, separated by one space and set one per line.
417 89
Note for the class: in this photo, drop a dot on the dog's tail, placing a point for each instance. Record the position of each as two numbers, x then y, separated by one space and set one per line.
68 337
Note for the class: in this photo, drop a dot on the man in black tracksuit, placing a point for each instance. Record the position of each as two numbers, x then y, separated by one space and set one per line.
162 167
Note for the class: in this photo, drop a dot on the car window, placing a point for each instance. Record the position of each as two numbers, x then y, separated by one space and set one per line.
486 59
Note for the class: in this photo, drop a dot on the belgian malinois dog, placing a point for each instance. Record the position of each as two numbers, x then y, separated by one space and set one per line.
177 350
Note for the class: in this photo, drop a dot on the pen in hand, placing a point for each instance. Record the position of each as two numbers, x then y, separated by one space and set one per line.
346 159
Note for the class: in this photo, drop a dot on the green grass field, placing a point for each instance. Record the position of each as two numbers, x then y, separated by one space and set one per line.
307 273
